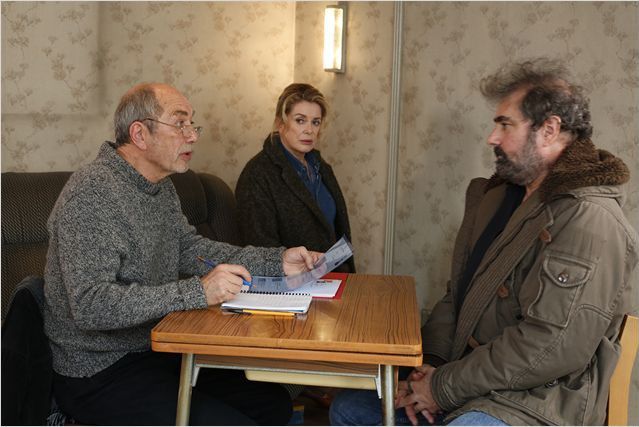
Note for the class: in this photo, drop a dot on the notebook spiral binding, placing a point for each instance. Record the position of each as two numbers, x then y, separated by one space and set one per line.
274 293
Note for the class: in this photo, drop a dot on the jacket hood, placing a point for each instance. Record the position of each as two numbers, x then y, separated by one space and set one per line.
581 164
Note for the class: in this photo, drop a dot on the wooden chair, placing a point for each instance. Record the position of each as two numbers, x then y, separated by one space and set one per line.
620 383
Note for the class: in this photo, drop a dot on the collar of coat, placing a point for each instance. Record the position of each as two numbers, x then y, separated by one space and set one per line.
272 147
581 164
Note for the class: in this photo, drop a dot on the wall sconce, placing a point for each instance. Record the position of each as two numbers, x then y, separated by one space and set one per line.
335 38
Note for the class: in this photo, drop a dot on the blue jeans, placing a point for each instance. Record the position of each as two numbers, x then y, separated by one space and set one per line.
476 418
363 407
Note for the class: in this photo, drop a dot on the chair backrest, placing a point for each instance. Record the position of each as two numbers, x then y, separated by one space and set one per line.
209 205
28 198
27 201
623 385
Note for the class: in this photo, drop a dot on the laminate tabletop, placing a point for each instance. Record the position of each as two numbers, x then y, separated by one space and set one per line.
376 320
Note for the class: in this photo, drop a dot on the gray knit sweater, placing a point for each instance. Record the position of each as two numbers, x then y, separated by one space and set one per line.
118 245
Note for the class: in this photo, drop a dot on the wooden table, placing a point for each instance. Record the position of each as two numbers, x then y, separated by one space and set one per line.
359 339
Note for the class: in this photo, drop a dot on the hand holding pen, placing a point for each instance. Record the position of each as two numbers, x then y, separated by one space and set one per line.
214 264
223 281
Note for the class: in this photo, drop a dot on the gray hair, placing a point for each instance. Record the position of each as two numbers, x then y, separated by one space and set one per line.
549 93
137 103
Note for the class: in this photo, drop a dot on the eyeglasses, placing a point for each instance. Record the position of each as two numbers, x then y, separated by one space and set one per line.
186 130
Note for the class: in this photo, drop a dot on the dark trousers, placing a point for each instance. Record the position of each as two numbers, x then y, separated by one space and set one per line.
142 389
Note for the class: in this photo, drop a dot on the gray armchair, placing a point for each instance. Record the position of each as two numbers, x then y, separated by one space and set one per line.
28 198
27 201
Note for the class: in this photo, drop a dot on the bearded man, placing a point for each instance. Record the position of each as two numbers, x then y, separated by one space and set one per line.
544 269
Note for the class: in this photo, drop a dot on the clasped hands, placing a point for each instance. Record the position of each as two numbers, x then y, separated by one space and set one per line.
415 395
224 281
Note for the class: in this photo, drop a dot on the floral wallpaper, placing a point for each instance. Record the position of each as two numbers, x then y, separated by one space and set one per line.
354 140
65 65
448 48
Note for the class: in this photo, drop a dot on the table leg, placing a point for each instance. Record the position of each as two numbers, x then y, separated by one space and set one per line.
388 394
184 394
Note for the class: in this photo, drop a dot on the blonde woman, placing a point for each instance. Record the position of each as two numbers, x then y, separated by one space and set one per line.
287 194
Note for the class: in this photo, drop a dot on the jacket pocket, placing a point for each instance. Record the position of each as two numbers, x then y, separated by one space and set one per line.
560 282
578 398
521 401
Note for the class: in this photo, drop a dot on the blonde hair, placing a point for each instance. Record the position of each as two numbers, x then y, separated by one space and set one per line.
293 94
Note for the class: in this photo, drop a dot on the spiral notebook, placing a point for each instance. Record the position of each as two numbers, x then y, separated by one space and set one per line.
287 302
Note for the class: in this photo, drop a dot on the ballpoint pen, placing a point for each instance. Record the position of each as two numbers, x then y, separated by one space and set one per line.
213 265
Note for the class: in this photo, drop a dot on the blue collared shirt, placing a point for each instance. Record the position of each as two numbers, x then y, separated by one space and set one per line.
313 181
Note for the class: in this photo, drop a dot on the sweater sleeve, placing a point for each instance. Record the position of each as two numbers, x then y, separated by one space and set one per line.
258 261
89 244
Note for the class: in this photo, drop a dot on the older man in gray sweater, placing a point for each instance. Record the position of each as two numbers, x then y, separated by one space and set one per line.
119 244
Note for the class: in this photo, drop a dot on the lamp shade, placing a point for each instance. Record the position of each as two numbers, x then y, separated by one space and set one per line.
334 38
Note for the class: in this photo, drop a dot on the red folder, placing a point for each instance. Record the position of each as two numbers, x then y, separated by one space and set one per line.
337 276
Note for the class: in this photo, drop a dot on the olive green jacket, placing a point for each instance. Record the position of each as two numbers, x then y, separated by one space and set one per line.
536 339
